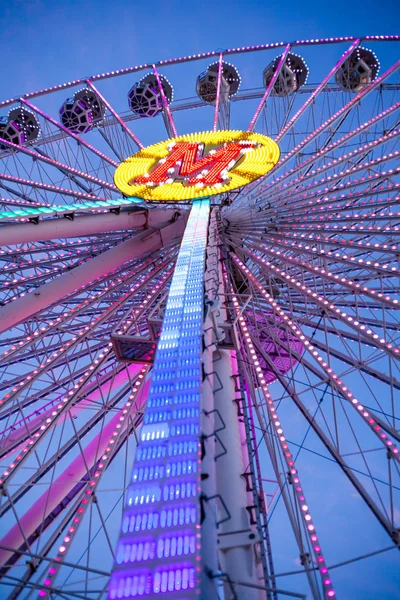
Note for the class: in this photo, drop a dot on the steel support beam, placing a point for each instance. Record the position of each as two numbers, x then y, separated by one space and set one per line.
49 293
51 229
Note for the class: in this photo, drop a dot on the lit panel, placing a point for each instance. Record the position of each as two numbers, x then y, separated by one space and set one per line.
158 550
197 165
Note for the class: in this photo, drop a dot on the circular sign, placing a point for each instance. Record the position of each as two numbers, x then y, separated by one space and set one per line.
196 165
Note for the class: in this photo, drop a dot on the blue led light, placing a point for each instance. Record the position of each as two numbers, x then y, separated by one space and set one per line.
164 492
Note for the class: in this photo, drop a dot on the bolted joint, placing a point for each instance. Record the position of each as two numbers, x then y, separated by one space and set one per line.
305 559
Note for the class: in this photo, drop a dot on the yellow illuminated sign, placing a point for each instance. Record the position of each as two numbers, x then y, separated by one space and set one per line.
196 165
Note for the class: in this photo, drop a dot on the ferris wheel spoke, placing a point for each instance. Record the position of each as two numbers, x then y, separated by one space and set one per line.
327 275
43 273
167 114
24 307
54 189
111 387
27 328
22 199
287 351
14 202
83 488
341 212
319 320
114 435
50 393
69 133
296 305
355 231
269 89
65 169
256 357
270 223
272 330
88 468
362 366
112 144
115 114
60 410
352 157
117 138
332 258
339 114
290 390
50 361
55 392
56 389
267 219
311 99
305 189
353 246
333 378
355 323
33 274
266 188
68 317
70 399
303 510
76 179
377 183
366 248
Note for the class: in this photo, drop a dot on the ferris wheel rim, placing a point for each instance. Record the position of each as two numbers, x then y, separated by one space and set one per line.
195 57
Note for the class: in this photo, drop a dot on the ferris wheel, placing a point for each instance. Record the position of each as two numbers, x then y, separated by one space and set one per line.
200 259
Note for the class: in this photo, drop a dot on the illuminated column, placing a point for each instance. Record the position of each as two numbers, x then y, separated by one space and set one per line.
159 547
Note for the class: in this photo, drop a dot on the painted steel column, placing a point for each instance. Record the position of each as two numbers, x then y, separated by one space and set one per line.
60 227
159 547
209 511
49 293
236 537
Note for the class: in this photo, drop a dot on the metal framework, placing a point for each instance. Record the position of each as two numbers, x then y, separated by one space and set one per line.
249 343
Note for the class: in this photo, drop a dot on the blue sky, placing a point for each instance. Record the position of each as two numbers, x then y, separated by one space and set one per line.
47 42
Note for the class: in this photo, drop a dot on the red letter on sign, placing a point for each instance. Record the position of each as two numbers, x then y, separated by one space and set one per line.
186 152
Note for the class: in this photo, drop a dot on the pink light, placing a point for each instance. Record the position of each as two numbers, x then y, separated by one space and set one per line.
272 409
269 88
297 331
68 132
165 102
218 92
